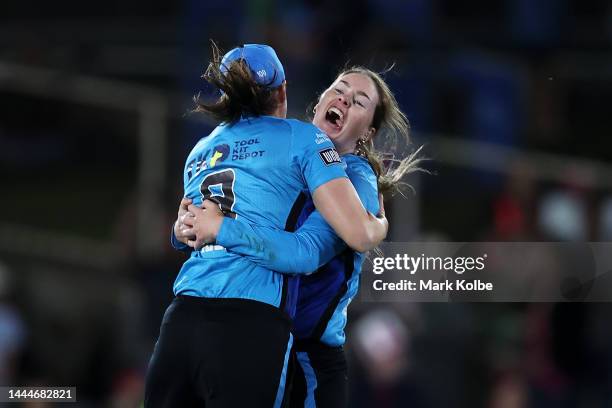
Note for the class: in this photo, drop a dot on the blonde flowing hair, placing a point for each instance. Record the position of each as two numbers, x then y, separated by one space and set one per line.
392 128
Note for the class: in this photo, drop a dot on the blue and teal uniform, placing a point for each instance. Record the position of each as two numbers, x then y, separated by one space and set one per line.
314 247
261 170
329 273
225 340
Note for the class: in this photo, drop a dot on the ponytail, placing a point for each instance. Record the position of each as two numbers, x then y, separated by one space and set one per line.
240 94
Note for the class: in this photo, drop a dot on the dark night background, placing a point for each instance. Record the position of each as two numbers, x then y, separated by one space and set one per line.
510 98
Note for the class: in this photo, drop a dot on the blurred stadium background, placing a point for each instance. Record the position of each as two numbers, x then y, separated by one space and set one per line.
510 98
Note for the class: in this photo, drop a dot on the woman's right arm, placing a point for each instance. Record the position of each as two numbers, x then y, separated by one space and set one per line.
312 245
332 192
339 204
300 252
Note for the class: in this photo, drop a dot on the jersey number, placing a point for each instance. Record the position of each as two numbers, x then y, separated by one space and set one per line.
219 187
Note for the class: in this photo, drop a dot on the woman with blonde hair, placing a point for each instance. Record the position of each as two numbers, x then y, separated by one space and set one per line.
357 109
225 340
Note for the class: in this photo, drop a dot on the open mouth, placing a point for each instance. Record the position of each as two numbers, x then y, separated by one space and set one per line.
335 117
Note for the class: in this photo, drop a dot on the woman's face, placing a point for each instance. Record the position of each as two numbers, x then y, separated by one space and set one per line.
346 109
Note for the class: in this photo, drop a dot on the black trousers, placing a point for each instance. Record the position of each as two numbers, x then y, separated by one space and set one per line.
219 353
318 376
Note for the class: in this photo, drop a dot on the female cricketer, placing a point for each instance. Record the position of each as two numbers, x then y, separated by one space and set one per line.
355 109
225 339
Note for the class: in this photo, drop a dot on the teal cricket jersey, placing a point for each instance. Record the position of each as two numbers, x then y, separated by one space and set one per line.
261 170
329 270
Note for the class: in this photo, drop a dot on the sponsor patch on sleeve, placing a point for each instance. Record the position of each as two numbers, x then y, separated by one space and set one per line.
330 156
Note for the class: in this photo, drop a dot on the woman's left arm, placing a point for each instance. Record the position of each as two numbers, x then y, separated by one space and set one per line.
301 252
314 244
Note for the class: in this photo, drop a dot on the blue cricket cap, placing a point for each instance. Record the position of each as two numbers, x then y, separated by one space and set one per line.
265 66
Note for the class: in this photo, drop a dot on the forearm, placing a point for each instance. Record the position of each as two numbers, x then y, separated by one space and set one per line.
375 231
362 232
301 252
339 204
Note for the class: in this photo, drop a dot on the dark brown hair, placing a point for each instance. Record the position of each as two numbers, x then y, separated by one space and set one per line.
392 127
240 94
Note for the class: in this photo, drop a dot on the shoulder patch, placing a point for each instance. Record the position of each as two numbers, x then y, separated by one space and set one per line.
330 156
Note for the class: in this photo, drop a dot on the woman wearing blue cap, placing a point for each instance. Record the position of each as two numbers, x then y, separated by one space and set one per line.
355 109
225 339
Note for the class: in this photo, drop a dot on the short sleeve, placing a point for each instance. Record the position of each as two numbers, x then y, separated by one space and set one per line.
314 153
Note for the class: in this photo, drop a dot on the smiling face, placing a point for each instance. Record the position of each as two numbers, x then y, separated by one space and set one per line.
346 109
